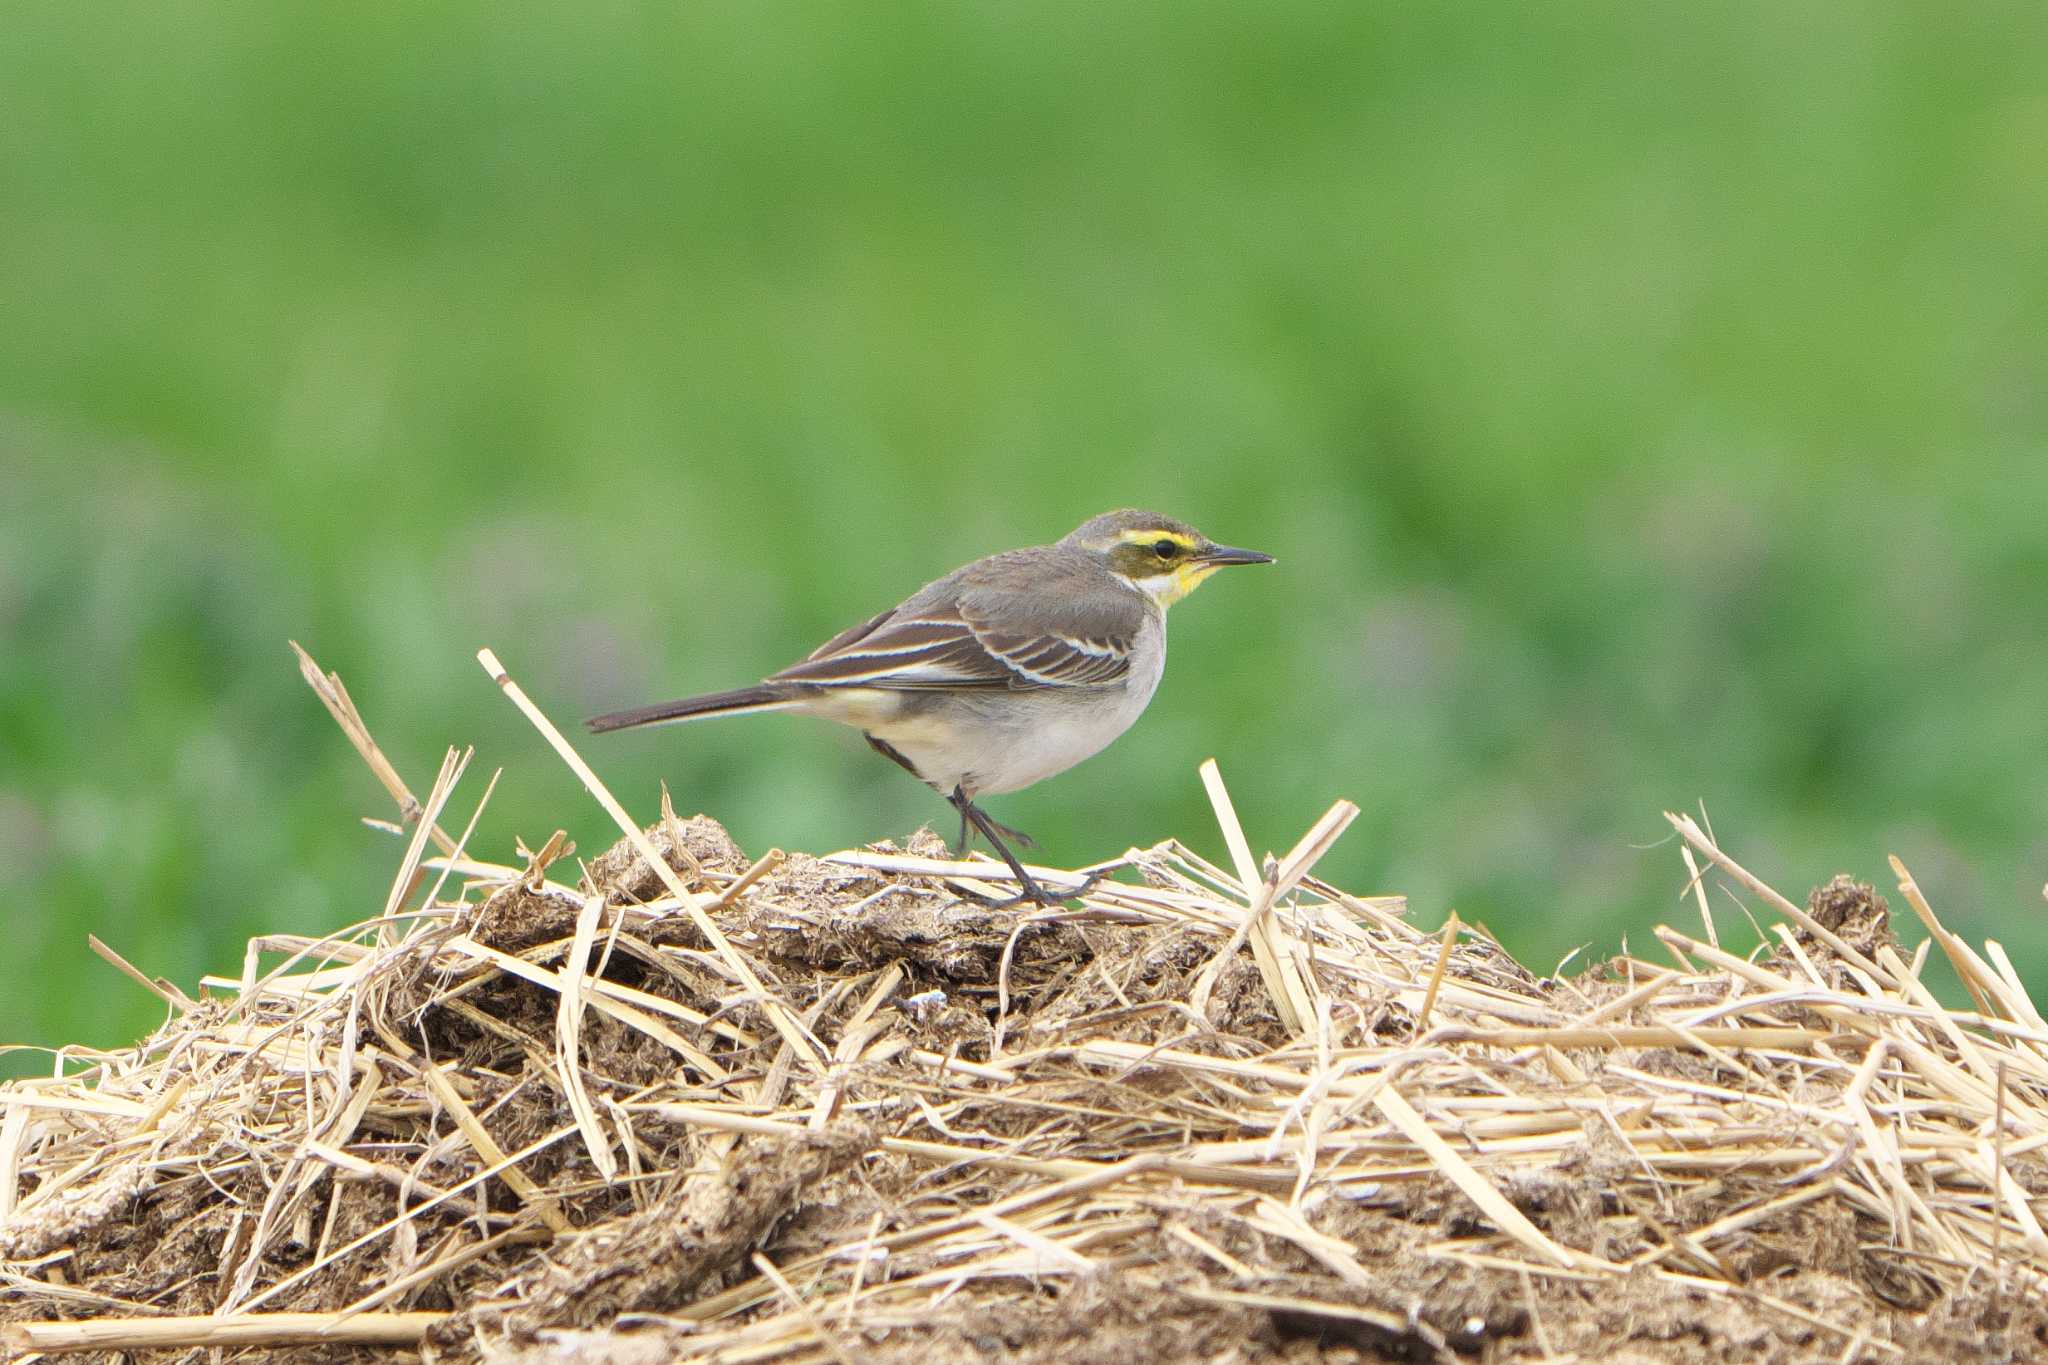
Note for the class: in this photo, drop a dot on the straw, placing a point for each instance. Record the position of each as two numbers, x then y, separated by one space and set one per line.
795 1108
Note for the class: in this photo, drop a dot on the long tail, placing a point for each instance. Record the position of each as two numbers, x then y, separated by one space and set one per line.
738 702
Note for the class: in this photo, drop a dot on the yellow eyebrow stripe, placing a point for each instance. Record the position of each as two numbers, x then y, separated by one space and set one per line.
1141 537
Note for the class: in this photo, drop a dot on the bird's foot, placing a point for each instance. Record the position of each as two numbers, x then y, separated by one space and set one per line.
1030 890
1033 892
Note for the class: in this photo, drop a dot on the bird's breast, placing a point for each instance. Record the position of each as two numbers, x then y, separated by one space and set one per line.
1039 734
995 740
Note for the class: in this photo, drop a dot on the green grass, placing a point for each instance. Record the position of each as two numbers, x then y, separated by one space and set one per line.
1646 405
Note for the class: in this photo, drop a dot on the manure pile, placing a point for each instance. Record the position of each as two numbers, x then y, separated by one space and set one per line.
677 1103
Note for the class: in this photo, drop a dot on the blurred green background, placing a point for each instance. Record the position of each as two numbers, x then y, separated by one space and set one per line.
1646 404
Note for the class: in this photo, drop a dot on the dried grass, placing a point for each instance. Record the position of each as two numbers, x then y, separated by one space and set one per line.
804 1109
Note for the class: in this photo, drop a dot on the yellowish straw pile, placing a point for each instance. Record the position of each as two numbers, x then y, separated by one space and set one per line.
681 1104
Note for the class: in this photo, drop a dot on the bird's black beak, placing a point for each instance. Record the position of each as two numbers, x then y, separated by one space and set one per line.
1230 554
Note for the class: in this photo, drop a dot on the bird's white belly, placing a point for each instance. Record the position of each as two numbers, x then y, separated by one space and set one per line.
994 742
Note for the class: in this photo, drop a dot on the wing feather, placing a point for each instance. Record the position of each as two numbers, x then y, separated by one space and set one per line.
980 629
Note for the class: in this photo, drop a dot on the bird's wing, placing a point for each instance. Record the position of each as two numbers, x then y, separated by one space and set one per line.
998 624
851 636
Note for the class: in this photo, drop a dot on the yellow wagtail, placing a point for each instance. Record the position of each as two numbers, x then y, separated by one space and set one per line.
1002 673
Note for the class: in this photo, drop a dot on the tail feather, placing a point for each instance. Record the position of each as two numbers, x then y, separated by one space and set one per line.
738 702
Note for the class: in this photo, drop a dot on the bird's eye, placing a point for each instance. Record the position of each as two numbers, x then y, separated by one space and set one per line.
1165 549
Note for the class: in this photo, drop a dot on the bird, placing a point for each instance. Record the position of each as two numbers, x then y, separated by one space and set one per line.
1001 674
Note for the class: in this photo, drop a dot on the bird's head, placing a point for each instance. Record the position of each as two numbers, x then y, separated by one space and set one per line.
1160 557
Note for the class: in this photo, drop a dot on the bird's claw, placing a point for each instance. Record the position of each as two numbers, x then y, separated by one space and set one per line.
1034 893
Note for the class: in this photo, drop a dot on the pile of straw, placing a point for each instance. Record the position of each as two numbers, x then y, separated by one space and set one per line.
682 1104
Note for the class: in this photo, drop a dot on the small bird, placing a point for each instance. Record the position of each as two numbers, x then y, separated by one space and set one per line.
1004 672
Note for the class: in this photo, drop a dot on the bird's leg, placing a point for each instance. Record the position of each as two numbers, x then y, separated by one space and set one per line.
892 753
895 755
973 817
967 831
971 814
1015 836
1031 889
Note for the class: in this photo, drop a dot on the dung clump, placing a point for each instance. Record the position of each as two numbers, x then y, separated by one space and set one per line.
842 1108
